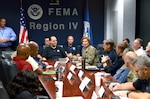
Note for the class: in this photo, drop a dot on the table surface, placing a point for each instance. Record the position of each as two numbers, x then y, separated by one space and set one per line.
71 87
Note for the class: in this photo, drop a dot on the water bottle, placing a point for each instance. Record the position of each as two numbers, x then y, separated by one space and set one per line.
59 74
83 63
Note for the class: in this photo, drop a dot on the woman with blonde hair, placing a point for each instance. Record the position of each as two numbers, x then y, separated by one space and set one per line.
89 52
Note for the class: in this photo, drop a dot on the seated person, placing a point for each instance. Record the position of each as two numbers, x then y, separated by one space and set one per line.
138 48
53 52
129 57
113 67
142 68
109 50
89 53
148 49
71 50
24 85
33 60
23 52
126 41
122 73
41 49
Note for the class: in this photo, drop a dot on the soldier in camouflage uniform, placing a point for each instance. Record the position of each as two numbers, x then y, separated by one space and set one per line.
89 53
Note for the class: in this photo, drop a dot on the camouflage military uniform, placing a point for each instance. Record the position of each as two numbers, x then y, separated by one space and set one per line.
132 76
91 56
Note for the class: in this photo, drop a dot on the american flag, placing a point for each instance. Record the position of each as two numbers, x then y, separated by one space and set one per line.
23 35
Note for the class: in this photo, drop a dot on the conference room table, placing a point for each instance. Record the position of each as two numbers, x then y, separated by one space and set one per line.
71 86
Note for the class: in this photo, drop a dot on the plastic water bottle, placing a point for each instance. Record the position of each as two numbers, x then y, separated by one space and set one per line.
59 74
83 63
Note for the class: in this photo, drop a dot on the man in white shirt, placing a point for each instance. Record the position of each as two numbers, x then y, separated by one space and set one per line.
137 46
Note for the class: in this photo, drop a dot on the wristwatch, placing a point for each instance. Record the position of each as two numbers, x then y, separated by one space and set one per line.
128 93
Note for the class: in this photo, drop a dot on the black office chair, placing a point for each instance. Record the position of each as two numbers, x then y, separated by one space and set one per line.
3 93
6 54
100 51
8 69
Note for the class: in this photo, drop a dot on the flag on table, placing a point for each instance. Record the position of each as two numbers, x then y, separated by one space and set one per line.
23 35
87 27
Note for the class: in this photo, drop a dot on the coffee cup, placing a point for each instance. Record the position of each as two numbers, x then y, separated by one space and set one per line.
59 89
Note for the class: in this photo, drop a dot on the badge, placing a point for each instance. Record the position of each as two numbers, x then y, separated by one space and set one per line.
58 50
73 48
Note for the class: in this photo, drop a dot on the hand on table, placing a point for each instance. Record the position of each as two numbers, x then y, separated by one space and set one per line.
114 86
122 94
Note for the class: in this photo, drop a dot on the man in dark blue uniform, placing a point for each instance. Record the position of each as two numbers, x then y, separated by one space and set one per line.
70 49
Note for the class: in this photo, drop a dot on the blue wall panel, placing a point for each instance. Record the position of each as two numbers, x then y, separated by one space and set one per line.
59 18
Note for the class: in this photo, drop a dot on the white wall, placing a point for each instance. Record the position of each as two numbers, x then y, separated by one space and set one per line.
129 19
119 19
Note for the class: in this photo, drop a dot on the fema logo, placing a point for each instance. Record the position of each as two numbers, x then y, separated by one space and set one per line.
35 11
